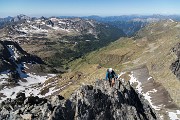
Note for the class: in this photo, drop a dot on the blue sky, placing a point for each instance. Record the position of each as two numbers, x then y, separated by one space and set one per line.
87 7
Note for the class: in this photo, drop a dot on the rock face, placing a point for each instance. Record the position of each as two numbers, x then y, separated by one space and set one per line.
175 66
104 103
98 102
20 17
12 56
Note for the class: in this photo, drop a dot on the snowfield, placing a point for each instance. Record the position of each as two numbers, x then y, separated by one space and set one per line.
29 88
173 115
29 83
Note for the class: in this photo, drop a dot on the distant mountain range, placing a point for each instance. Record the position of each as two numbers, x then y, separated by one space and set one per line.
27 25
142 18
130 24
132 19
58 40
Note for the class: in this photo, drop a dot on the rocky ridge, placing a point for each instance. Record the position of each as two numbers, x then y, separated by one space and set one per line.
97 101
175 66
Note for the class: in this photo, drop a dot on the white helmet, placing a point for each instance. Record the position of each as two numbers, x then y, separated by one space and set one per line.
110 69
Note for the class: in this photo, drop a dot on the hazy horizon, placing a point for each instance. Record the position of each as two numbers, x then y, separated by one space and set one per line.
38 16
37 8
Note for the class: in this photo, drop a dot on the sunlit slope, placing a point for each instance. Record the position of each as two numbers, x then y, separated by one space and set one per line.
151 46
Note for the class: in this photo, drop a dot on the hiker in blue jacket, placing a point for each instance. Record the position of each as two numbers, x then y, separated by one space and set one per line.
111 76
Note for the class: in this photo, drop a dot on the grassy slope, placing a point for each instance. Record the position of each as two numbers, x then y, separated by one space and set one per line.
151 46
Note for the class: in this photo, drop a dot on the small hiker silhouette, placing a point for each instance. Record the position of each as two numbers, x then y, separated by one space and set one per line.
111 76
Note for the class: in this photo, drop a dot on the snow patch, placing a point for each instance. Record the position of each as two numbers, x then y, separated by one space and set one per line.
149 78
25 66
51 91
38 21
29 88
139 89
173 115
28 21
54 19
88 40
13 51
161 117
148 97
139 84
91 23
58 28
61 22
25 30
171 20
90 31
32 29
33 79
119 75
3 77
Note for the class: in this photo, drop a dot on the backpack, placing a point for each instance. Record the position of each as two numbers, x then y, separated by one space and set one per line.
111 75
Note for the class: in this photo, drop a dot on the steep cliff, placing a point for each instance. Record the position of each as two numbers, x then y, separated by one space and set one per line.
175 66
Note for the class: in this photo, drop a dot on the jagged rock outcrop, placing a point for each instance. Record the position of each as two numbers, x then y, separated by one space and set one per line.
98 102
175 66
20 17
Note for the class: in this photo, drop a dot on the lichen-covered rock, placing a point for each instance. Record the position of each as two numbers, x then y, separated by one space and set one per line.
90 102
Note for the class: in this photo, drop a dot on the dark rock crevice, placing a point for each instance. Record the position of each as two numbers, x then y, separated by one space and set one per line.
175 66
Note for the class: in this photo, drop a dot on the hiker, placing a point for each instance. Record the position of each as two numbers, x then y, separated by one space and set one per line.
111 76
